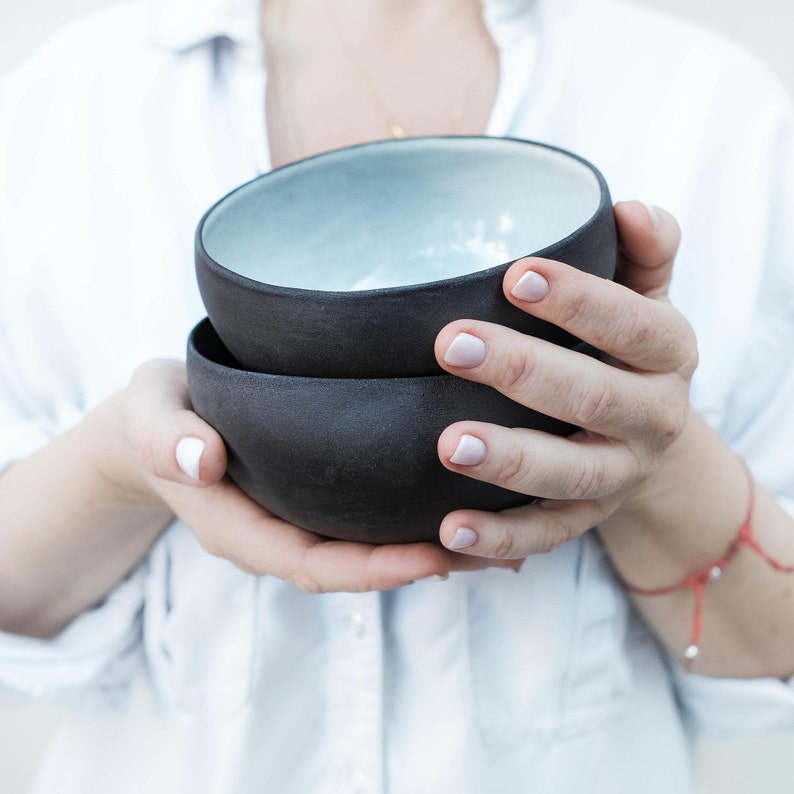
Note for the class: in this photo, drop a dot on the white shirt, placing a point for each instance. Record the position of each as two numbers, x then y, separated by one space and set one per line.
195 677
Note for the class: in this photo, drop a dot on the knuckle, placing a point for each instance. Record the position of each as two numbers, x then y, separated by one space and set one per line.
212 544
681 352
637 325
666 416
554 533
301 574
690 356
147 453
512 469
671 424
515 371
596 405
575 305
507 545
143 371
586 481
307 583
666 335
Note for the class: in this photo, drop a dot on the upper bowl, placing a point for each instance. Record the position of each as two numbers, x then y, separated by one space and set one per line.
348 264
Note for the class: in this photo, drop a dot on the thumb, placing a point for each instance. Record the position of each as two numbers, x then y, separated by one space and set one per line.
649 238
168 439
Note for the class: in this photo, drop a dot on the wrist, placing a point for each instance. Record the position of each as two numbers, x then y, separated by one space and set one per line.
697 496
663 485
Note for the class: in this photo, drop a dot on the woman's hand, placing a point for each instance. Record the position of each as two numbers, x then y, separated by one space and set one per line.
631 406
178 459
115 481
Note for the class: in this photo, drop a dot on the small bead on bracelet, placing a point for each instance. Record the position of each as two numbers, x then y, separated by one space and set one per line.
697 582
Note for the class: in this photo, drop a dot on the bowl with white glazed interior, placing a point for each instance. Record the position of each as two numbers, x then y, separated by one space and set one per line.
349 263
348 458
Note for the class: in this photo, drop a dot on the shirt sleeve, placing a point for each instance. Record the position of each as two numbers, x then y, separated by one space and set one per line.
758 423
94 656
23 430
90 663
730 708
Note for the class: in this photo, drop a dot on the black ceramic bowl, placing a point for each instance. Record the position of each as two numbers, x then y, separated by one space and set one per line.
348 264
349 458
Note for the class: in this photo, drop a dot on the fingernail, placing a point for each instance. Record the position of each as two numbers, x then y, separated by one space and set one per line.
436 577
652 215
465 351
464 537
188 455
470 451
531 287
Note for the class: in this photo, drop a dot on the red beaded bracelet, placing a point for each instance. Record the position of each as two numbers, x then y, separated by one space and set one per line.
697 582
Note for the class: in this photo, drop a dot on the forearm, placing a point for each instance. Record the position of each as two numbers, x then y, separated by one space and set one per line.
70 531
682 520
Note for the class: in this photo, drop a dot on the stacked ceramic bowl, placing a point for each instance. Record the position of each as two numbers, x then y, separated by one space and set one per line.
326 283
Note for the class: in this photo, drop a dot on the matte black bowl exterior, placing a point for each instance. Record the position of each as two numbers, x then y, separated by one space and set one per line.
385 332
353 459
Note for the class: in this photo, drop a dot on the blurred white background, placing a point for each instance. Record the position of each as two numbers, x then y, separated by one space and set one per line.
758 766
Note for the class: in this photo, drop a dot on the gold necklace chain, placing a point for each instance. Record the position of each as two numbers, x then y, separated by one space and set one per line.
396 130
285 89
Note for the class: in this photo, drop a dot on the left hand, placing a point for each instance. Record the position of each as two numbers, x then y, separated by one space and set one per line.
631 406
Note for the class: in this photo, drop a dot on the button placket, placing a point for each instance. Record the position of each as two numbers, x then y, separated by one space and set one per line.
355 705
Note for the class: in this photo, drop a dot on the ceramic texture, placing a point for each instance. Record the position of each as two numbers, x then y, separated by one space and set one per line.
354 459
349 263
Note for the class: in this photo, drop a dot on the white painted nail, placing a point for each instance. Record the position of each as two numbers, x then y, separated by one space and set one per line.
464 537
188 455
531 287
470 451
435 577
466 350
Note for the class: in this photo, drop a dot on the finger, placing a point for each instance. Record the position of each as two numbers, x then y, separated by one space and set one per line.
522 531
229 524
538 464
338 565
649 238
565 384
170 441
646 334
468 562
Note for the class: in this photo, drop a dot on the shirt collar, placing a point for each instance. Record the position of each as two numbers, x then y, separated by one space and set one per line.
181 24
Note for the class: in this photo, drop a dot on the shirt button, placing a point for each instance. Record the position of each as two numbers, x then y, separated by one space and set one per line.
358 783
356 625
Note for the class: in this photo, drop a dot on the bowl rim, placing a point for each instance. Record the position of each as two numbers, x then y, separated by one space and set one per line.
203 257
206 323
206 361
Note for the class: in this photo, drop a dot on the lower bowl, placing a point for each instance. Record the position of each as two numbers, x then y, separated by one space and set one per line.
348 458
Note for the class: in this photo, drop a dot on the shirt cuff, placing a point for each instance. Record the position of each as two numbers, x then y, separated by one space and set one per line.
730 708
90 663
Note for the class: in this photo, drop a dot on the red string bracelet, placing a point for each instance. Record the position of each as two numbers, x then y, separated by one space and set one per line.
697 582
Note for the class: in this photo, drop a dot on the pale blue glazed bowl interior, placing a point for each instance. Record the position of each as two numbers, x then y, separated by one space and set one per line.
419 211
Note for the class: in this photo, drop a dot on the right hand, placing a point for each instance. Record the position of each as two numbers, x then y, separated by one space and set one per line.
157 415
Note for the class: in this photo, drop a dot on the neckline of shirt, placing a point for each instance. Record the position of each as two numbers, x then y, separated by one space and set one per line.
182 24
